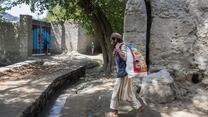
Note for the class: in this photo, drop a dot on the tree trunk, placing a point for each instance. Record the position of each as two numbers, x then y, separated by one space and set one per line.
99 36
106 30
103 29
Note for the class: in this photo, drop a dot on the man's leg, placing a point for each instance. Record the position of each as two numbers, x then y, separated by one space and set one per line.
114 99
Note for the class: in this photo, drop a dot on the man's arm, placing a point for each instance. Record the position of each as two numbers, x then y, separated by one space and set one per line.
121 49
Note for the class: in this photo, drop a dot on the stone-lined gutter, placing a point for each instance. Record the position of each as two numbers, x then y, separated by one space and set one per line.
58 84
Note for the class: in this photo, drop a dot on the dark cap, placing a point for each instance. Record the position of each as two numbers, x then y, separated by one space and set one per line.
115 35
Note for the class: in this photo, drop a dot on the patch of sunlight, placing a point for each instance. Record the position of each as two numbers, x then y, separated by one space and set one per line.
2 96
183 114
3 69
14 82
51 63
11 84
92 90
44 83
25 90
27 100
60 57
105 86
125 109
5 87
202 62
165 115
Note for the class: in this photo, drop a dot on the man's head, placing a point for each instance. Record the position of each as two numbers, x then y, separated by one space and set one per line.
116 38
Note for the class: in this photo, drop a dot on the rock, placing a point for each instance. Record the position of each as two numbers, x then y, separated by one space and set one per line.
135 24
205 81
163 76
179 33
156 87
155 68
200 100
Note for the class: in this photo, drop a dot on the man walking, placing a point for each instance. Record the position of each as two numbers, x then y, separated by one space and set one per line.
124 88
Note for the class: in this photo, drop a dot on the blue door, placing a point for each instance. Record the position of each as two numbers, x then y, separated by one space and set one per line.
41 39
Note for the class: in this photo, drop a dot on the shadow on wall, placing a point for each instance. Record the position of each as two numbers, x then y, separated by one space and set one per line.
64 37
72 37
56 38
87 43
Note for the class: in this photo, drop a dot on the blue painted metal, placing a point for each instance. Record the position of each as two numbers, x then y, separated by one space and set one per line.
40 37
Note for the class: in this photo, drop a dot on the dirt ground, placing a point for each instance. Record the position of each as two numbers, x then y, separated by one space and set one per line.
90 97
44 65
27 71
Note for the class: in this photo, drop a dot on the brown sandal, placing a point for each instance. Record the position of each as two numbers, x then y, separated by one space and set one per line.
141 109
112 114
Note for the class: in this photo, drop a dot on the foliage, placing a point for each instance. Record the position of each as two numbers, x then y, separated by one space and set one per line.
2 10
63 10
114 10
105 16
56 14
61 13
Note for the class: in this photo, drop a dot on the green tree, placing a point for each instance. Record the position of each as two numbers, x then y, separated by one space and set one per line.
2 8
103 16
58 14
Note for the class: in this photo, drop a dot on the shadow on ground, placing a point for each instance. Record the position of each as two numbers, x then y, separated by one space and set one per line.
147 113
94 100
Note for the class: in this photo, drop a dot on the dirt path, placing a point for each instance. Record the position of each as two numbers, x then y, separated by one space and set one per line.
92 97
20 86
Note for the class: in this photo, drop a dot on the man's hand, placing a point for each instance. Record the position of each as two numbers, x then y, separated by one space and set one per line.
118 47
114 52
120 52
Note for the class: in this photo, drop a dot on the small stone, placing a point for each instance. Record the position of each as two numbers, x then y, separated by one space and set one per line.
205 81
200 101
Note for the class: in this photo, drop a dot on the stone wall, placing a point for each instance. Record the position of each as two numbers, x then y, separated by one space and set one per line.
85 42
9 43
15 41
135 24
74 36
56 38
71 36
179 34
25 36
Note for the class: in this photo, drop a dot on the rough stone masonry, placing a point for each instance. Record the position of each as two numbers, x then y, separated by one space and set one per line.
179 35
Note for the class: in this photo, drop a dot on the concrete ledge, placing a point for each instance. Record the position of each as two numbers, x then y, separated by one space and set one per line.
68 78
